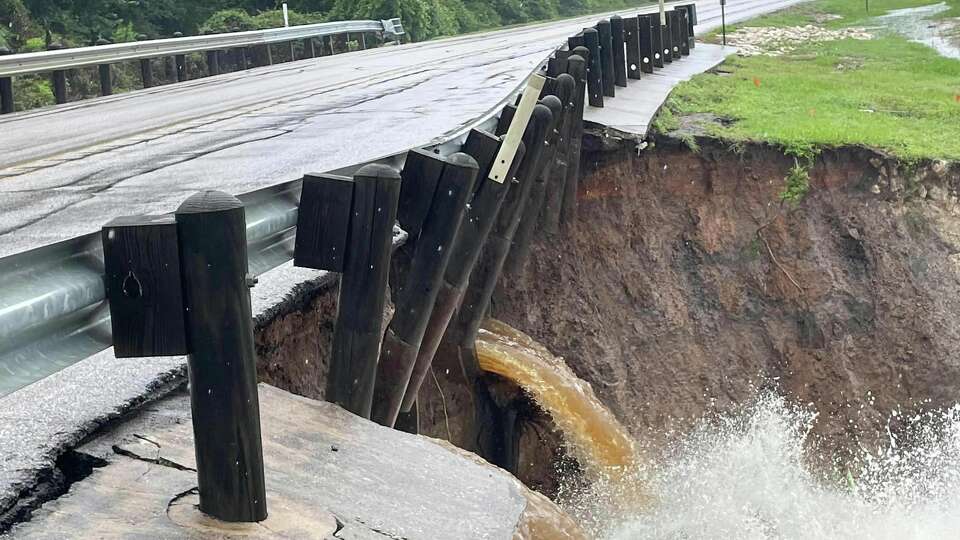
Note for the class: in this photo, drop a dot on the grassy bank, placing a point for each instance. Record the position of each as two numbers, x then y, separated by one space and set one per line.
885 93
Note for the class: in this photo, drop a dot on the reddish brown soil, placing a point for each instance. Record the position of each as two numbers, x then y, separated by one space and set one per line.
685 284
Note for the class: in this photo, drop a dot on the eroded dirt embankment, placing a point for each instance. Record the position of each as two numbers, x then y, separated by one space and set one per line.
685 285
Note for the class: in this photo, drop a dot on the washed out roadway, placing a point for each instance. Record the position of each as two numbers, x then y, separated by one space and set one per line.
66 170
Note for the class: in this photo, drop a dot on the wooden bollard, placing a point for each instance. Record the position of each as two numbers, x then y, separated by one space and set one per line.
676 34
6 88
222 362
631 31
666 36
213 63
691 24
484 279
146 72
647 47
606 58
415 303
556 176
180 61
58 78
656 41
577 68
530 216
619 51
420 177
363 288
106 80
473 233
683 30
595 92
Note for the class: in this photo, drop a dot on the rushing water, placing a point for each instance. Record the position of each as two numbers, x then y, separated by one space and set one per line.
744 475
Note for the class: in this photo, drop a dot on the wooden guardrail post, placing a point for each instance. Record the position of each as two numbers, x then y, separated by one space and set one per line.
591 40
530 216
415 302
619 51
179 285
310 47
211 227
648 48
6 88
691 24
605 34
683 29
556 174
476 300
59 79
577 68
213 63
631 29
666 37
363 287
484 207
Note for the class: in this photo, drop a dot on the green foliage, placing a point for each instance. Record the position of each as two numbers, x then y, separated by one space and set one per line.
798 184
32 92
898 96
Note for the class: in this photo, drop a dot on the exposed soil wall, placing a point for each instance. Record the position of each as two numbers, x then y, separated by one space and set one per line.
685 284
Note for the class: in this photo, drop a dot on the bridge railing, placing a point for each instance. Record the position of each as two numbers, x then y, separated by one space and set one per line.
59 60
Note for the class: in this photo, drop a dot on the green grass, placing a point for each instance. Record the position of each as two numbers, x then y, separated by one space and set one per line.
885 93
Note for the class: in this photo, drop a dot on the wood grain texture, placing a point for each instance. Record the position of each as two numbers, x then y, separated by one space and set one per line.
323 222
222 361
142 272
363 288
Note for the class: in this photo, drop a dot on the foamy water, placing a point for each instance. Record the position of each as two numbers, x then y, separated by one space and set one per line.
745 477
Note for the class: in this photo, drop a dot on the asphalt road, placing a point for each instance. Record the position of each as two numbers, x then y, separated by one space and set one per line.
66 170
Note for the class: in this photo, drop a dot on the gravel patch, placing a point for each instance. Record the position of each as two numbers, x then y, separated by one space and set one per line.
774 41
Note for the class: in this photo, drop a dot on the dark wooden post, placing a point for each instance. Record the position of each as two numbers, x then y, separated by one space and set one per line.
577 68
605 35
363 287
213 63
691 24
6 88
146 72
656 40
181 62
416 300
676 34
309 48
530 216
106 81
631 28
59 79
476 300
591 40
473 233
666 37
556 176
683 30
421 174
647 47
222 363
363 42
619 51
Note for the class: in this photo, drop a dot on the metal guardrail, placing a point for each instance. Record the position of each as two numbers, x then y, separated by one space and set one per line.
39 62
53 307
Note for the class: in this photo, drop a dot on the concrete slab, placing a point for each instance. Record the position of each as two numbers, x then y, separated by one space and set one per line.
629 114
329 474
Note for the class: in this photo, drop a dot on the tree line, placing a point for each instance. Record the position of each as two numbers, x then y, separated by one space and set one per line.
27 25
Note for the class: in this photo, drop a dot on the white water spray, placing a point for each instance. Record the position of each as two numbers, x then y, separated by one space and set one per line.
745 477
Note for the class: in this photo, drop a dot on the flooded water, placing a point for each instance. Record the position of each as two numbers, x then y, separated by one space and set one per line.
919 25
744 475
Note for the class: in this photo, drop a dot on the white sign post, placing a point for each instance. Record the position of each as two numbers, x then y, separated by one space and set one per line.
286 16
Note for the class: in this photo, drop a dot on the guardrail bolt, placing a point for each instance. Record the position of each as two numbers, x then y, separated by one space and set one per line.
6 88
211 230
